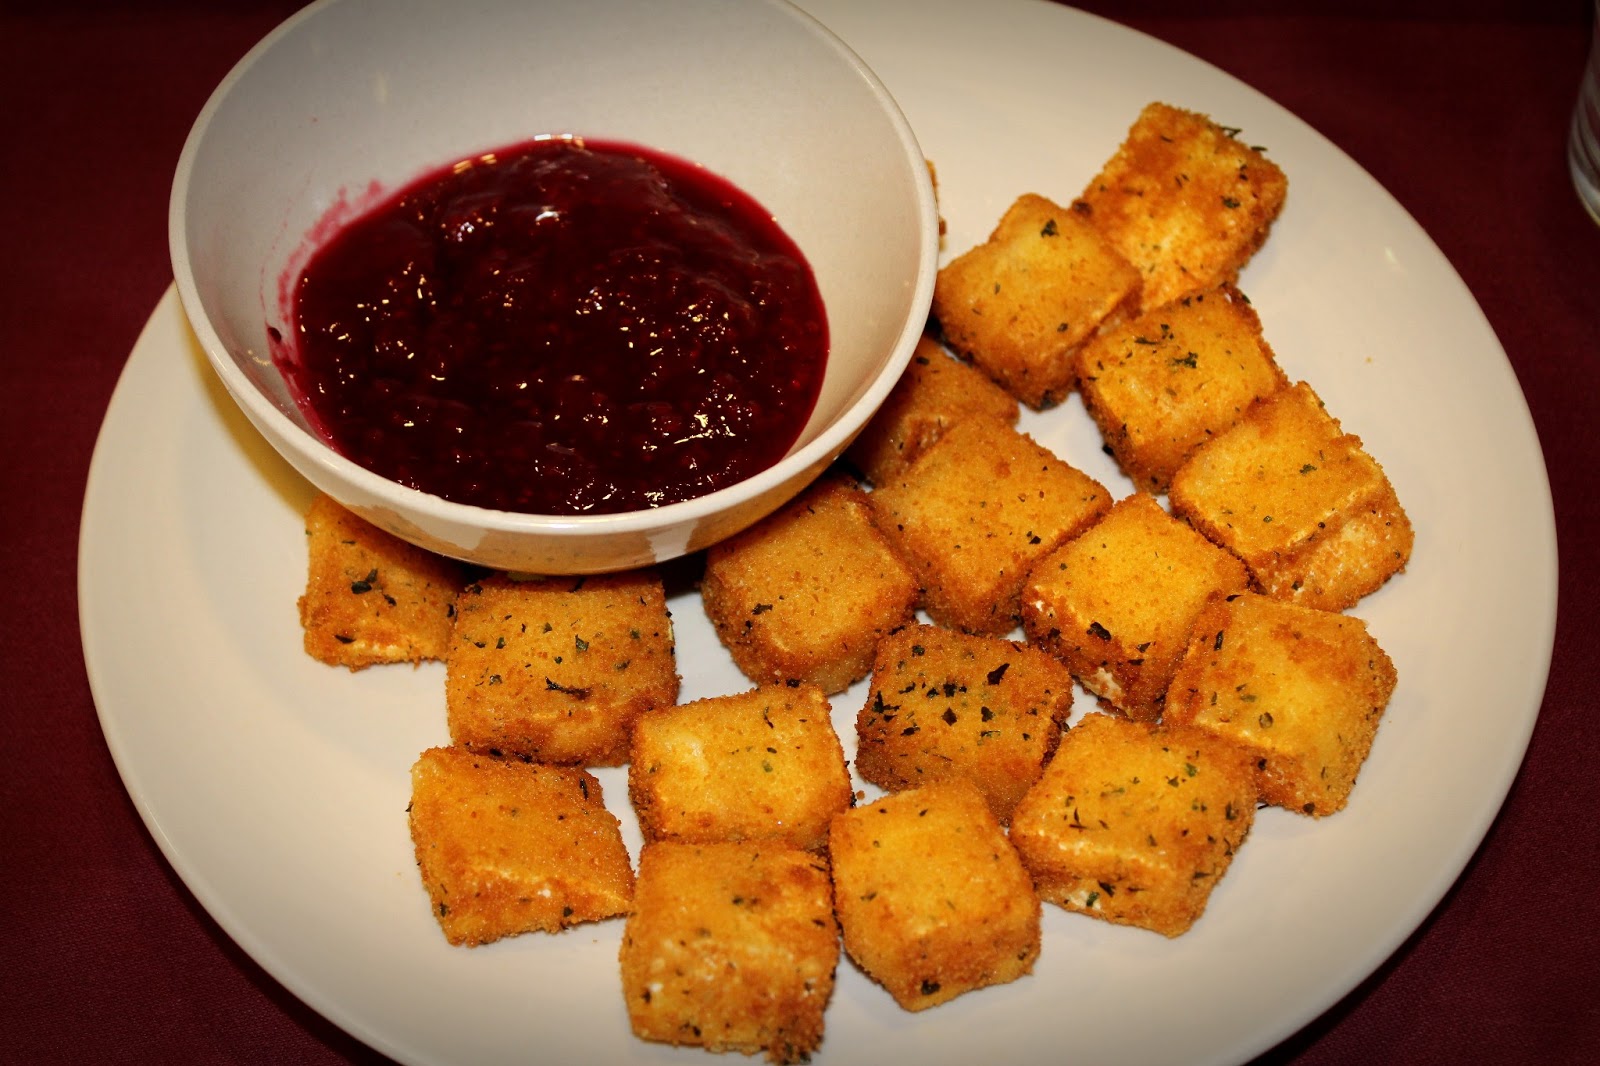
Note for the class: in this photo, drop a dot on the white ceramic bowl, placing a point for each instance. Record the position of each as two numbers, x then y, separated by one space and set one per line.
351 99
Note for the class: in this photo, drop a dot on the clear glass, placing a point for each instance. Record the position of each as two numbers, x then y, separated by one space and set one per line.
1583 144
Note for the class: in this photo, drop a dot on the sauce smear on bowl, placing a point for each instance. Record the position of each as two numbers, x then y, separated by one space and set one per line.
561 327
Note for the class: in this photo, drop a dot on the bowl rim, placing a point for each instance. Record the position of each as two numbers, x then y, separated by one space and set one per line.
817 452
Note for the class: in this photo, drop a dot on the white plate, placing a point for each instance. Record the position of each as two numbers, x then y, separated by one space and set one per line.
277 787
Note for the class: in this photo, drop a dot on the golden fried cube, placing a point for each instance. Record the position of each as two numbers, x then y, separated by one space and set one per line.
806 594
1135 824
1162 385
731 947
371 597
1116 604
752 766
558 669
1299 500
1300 691
1022 302
1185 201
975 512
507 847
932 899
935 392
944 704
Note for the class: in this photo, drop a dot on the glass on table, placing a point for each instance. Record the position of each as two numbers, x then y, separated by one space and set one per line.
1583 144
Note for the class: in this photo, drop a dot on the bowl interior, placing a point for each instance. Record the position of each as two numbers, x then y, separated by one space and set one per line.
354 98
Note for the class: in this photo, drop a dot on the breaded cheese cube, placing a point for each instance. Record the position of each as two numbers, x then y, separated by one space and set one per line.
1117 603
507 847
1022 302
936 391
805 594
1162 385
1135 823
932 899
1301 691
731 947
1299 500
371 597
558 669
975 512
944 704
751 766
1185 201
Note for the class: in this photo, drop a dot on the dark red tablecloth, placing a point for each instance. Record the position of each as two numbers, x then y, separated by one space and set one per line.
1459 108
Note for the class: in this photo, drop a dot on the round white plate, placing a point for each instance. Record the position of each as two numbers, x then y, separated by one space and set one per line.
277 787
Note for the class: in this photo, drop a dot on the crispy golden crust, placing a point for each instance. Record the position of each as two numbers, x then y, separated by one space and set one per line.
558 669
1116 604
753 766
1300 691
945 704
371 597
1162 385
806 594
1021 303
1185 201
1299 500
932 898
731 947
975 512
1135 824
506 847
935 392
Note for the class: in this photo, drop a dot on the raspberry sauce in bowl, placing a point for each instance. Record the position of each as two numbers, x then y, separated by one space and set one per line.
560 327
336 114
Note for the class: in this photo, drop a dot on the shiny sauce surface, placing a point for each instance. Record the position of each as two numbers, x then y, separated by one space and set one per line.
560 327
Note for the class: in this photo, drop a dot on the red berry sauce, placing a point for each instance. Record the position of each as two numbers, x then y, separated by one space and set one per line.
561 327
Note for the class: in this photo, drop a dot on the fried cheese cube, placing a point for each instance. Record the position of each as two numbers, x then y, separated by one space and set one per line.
944 704
751 766
558 669
1185 201
507 847
1117 603
975 512
1301 691
805 594
1022 302
1135 823
730 947
371 597
936 391
932 899
1173 378
1299 500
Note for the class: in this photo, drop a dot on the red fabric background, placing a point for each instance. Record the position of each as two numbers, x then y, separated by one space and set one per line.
1459 109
